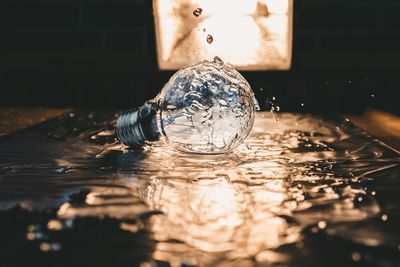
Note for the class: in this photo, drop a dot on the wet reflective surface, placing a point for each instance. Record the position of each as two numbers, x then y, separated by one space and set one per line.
301 191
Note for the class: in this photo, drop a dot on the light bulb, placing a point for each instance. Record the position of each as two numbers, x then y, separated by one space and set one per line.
205 108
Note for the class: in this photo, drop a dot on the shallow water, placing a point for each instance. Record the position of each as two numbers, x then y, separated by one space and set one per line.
302 191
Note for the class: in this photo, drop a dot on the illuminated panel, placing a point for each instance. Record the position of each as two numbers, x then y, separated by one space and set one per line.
250 34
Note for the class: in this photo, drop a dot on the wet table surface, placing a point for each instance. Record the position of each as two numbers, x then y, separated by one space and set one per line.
301 191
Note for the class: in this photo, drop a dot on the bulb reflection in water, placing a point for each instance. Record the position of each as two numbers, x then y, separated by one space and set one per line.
217 217
210 210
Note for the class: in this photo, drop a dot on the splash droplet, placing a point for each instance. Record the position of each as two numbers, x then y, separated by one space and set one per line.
302 104
54 225
204 29
356 256
372 95
197 12
384 217
210 38
322 224
50 247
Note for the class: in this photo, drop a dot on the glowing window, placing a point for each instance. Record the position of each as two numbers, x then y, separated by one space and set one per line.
250 34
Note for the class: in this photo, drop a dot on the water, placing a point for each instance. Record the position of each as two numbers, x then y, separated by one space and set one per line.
206 108
197 12
299 192
210 38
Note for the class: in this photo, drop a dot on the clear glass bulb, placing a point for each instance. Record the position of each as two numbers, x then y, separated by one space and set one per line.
205 108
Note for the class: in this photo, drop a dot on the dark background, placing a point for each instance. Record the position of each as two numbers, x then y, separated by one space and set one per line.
101 54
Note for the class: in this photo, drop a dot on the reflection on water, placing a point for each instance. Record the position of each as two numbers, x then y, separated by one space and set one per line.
295 191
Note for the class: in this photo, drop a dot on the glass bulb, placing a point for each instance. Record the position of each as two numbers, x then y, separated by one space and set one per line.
205 108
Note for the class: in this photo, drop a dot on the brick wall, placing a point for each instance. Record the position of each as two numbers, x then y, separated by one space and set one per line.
97 53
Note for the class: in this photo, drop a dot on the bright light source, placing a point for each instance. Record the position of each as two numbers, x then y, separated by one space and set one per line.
250 34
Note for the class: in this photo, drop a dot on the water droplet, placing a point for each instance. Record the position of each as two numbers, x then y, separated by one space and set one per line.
278 108
300 244
261 89
48 247
348 81
373 193
204 29
322 224
384 217
210 38
218 60
30 236
302 104
356 256
197 12
372 95
273 98
64 169
54 225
